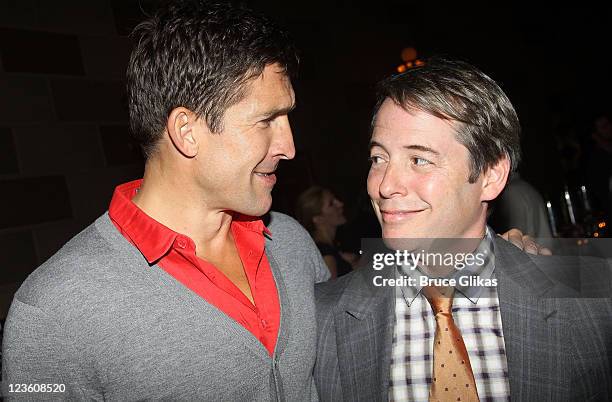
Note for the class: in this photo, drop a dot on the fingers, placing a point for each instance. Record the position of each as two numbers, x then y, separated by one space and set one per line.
525 242
544 251
515 237
529 245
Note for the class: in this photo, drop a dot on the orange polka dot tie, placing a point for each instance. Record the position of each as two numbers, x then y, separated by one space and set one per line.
453 379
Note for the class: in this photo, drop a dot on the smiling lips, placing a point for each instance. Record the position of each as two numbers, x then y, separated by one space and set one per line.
398 215
269 178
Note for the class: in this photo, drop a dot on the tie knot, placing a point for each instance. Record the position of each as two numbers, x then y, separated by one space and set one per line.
440 298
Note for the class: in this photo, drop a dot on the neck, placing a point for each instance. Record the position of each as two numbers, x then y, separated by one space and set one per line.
325 234
464 242
176 203
479 229
476 232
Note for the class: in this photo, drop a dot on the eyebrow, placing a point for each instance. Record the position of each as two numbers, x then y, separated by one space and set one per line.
373 144
422 148
272 114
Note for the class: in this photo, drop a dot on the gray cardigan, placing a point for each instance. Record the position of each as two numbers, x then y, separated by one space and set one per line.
97 318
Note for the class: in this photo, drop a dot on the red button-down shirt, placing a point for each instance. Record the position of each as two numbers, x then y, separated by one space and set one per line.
176 254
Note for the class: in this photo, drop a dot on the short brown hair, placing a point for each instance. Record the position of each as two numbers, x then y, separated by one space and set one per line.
454 90
200 55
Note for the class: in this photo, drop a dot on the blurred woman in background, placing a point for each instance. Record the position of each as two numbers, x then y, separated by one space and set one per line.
320 212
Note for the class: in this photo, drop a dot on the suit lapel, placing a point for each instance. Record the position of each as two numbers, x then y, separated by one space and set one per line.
364 320
534 334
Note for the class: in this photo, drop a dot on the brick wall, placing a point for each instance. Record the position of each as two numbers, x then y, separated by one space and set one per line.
64 142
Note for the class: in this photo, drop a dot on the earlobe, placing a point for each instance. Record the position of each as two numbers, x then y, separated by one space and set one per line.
495 179
180 126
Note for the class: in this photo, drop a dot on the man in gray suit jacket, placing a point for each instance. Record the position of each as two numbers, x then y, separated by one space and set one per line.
444 140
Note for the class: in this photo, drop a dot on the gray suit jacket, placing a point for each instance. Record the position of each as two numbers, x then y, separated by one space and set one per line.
558 343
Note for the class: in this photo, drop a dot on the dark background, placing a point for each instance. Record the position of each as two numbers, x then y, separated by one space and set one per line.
64 142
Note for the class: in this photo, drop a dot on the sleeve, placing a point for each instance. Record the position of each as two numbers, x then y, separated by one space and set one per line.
297 243
34 352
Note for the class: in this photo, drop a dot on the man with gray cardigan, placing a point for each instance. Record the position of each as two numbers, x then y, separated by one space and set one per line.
181 291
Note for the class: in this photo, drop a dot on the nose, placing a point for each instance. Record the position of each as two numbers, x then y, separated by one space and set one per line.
393 182
282 144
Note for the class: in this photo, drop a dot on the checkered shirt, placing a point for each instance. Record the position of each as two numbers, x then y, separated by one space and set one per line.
476 314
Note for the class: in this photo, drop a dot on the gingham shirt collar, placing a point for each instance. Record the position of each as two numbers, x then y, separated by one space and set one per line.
479 320
472 293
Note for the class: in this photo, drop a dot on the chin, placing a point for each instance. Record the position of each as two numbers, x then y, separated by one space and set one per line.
401 244
417 244
259 207
407 237
398 232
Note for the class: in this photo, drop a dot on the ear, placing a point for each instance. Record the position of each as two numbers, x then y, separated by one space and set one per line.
495 179
181 126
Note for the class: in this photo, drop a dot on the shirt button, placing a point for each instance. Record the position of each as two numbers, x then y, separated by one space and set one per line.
182 243
264 324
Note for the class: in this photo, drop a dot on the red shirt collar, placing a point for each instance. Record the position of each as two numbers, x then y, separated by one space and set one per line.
152 238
